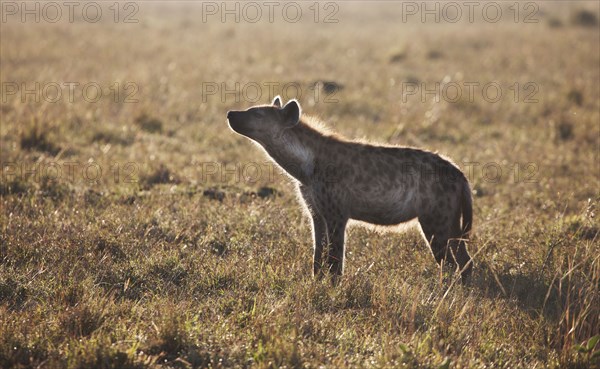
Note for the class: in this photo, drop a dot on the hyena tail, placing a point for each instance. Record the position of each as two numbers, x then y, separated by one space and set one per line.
467 210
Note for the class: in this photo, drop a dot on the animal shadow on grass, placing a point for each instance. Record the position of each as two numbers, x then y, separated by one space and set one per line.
532 293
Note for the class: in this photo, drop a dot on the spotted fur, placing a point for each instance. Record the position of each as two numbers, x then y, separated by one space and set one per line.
341 180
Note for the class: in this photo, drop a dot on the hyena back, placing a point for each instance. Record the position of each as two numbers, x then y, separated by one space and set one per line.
340 180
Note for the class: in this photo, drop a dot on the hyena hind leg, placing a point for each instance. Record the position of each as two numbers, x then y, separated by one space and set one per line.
460 255
447 245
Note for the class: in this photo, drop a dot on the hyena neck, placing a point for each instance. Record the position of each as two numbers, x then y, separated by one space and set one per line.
296 150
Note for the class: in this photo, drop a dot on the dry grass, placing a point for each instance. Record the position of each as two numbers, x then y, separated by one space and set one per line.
163 261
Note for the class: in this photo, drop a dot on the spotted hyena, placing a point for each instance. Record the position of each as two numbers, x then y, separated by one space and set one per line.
341 180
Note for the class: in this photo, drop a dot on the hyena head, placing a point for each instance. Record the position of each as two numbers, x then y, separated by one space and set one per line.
265 123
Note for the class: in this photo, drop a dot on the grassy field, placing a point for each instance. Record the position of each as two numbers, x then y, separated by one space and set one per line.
138 231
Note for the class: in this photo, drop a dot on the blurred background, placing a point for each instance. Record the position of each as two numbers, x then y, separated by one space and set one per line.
150 82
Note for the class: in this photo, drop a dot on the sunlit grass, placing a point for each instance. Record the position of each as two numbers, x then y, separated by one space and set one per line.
170 259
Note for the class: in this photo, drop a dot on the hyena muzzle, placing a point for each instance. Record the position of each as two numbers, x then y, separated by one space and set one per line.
341 180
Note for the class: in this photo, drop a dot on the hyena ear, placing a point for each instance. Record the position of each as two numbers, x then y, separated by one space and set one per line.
292 112
277 101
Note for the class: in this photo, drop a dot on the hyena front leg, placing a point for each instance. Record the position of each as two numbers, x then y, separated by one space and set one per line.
320 239
336 229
